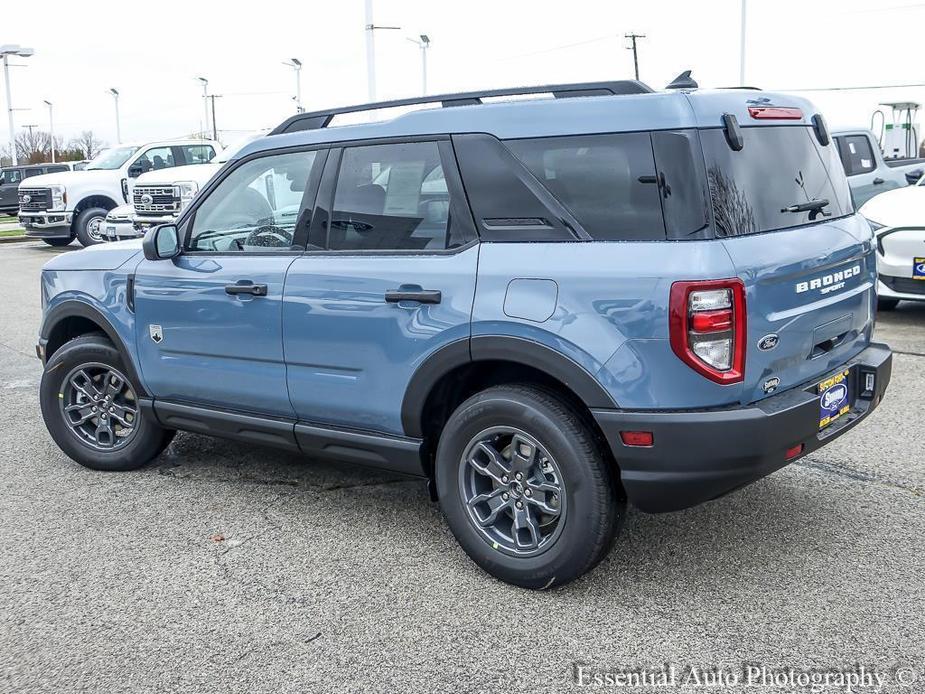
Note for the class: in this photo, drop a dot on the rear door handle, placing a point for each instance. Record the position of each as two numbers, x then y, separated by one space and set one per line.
246 287
879 181
424 296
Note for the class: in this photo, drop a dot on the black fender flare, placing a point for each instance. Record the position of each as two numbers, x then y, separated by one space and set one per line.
75 308
516 350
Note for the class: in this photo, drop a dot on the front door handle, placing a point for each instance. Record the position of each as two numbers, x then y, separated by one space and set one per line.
879 181
246 287
424 296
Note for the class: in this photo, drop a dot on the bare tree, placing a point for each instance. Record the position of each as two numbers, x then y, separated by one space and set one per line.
32 146
88 144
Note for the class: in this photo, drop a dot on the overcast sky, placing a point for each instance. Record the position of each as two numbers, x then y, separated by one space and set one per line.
152 53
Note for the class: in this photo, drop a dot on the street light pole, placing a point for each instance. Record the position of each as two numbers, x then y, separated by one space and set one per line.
6 51
742 47
115 96
51 129
423 44
296 64
205 106
371 51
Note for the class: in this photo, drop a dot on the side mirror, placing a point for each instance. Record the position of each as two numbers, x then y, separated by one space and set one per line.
161 242
912 177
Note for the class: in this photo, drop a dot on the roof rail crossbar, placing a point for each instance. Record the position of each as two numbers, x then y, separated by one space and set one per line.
322 119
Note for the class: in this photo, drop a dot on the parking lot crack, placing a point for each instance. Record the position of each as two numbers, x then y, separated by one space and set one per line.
840 470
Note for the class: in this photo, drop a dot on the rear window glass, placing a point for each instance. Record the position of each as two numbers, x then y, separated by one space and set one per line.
779 179
856 154
608 182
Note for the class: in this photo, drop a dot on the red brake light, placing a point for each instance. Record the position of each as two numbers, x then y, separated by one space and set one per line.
775 112
793 452
707 326
637 438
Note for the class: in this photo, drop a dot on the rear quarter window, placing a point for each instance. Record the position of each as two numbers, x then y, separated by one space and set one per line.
608 182
856 154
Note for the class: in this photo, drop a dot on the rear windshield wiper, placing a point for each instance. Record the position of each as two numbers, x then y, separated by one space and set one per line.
814 207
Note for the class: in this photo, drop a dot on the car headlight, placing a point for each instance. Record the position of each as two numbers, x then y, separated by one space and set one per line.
186 191
58 199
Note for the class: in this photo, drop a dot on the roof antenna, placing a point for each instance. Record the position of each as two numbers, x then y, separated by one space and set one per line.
683 81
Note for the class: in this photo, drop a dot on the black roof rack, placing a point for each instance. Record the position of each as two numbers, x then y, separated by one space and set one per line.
321 119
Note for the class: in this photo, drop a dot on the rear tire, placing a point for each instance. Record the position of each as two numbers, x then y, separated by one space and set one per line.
58 243
89 226
521 460
887 304
90 408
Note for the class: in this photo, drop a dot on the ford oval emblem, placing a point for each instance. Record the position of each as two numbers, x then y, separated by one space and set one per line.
919 269
768 342
833 399
27 198
147 199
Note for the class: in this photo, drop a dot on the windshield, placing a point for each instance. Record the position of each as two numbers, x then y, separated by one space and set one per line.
110 159
782 177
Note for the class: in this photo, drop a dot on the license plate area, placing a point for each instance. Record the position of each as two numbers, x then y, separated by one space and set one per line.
918 268
835 398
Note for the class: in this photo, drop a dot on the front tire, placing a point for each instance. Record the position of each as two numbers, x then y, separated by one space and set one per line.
525 487
89 226
58 243
887 304
91 410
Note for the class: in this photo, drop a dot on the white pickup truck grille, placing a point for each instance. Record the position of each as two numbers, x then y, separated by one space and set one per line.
156 200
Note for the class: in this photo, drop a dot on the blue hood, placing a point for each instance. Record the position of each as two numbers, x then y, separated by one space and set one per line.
104 256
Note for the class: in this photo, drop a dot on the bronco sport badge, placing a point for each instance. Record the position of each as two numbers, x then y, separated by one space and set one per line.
829 283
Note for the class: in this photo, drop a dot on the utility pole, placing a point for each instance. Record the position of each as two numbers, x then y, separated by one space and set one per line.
371 51
742 47
213 97
632 37
29 128
296 65
51 129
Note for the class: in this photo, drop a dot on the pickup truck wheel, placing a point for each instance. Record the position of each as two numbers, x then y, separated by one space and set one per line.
887 304
57 243
525 488
91 410
89 226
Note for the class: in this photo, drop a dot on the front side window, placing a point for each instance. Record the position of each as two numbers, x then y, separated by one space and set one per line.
153 159
782 177
255 208
391 197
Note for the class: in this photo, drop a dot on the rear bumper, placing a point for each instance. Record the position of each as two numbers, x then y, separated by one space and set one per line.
697 456
906 288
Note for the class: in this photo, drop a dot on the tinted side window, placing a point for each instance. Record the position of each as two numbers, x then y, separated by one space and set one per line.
55 169
197 154
856 154
682 183
153 160
391 197
29 173
256 207
608 182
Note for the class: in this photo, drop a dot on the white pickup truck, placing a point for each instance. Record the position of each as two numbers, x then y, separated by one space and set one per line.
57 207
869 173
160 196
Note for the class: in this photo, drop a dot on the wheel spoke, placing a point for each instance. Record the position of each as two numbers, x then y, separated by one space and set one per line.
496 467
524 521
113 384
88 389
495 503
119 412
523 453
542 505
104 435
84 413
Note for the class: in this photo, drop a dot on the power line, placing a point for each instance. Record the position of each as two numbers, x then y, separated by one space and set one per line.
851 89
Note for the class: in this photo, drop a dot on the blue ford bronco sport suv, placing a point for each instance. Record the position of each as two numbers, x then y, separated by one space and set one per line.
547 307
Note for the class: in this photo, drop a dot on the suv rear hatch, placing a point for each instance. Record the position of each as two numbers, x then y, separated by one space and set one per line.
782 207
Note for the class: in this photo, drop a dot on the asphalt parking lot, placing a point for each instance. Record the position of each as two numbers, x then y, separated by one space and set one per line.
224 567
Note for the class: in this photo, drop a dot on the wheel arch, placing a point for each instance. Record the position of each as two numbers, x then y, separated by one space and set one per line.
74 318
95 200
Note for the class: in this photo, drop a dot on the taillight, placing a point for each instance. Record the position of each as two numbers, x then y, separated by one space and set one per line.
775 113
707 327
